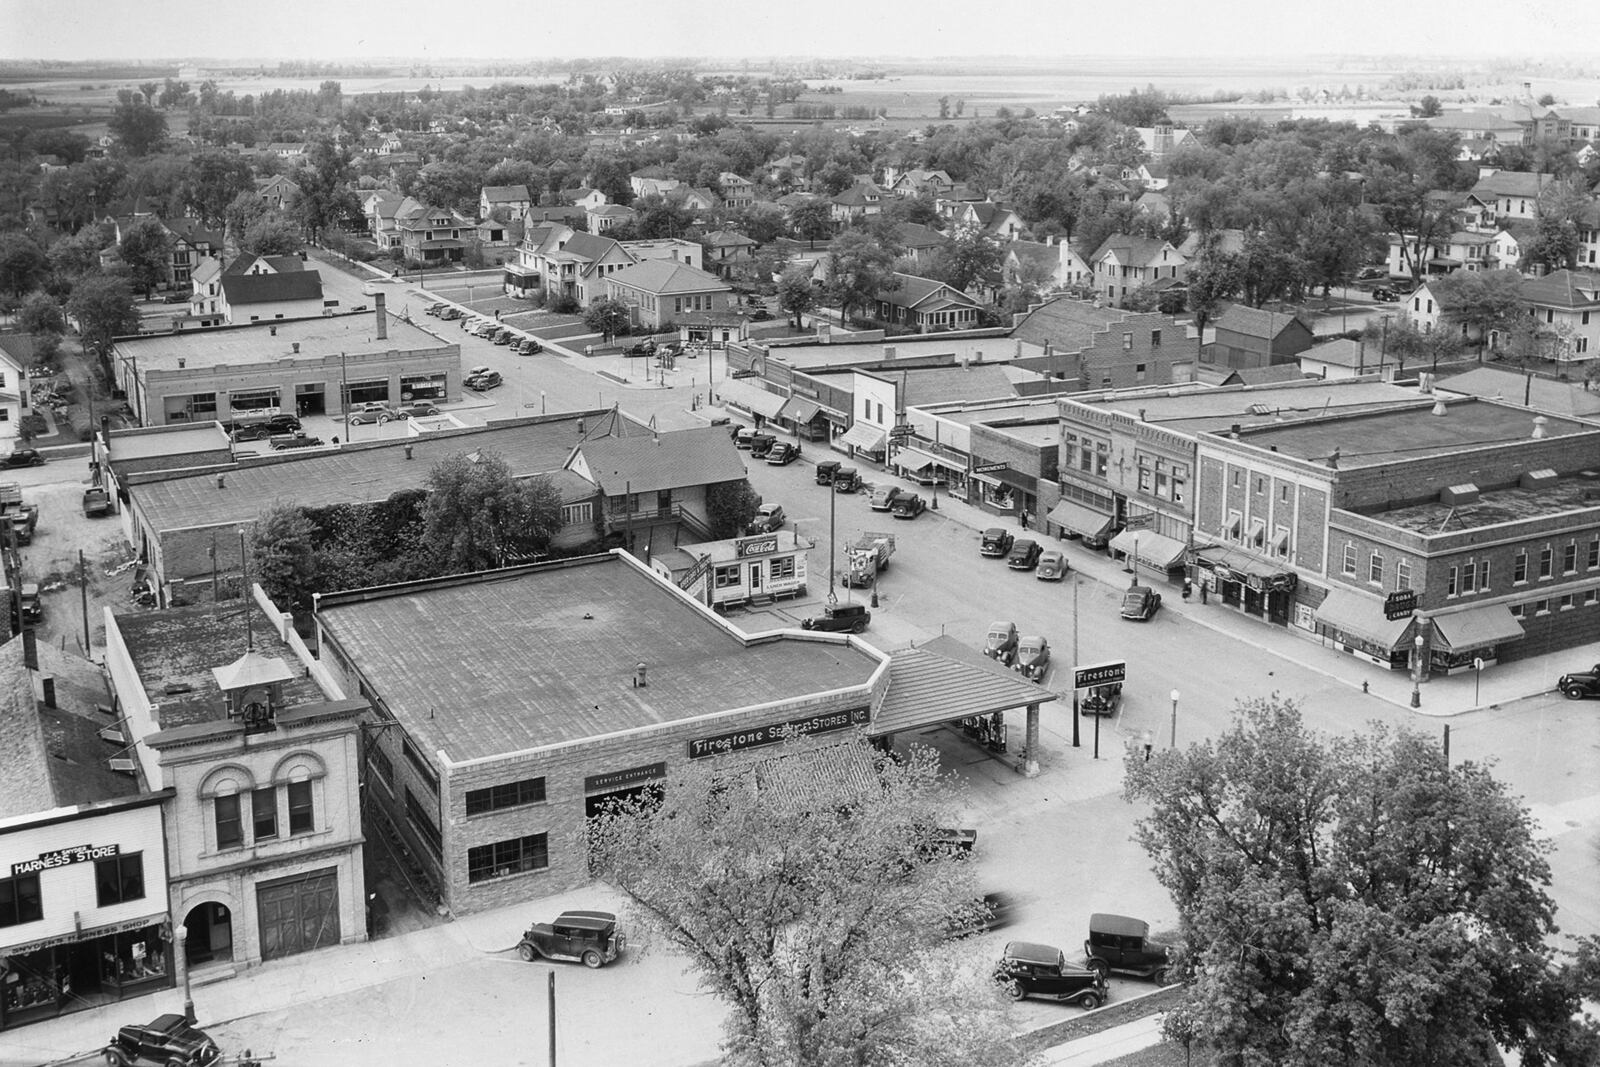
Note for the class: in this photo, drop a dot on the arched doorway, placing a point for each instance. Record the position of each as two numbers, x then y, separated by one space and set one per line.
210 937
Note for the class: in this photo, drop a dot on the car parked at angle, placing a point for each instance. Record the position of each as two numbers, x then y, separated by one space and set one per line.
1053 565
1124 945
992 911
450 313
647 347
846 480
883 497
1024 555
1140 602
783 453
742 436
995 542
435 307
1029 969
769 517
588 937
1000 643
840 618
761 444
1033 657
1102 700
826 469
168 1040
527 346
908 506
1580 684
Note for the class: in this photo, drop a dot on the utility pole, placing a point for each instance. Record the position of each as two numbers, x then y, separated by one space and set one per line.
1075 741
83 591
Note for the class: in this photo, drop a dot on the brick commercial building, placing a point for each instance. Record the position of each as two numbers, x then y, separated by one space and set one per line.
515 703
1489 512
299 366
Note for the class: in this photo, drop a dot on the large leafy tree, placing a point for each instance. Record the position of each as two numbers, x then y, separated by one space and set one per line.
969 257
139 128
325 197
608 317
1480 302
860 269
102 306
811 220
1353 900
730 507
271 235
822 937
283 557
23 264
213 179
146 248
1556 243
477 516
797 295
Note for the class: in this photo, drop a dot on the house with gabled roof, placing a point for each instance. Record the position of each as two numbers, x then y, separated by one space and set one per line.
1510 194
565 262
430 234
999 221
1161 141
268 295
514 200
1469 250
787 171
861 201
602 218
277 191
736 192
1058 261
1566 305
925 305
696 198
1249 337
657 481
918 182
584 197
1125 263
723 248
658 291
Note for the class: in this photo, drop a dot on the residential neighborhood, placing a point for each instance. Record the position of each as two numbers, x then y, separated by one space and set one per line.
463 535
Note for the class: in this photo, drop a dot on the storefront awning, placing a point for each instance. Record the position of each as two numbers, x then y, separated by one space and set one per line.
1079 519
912 463
916 459
1362 616
752 398
799 409
865 436
1461 631
1151 549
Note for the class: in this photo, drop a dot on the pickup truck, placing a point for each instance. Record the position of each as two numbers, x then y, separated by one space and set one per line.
96 502
865 557
24 518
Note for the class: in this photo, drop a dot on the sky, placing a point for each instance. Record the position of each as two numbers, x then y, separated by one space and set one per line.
491 29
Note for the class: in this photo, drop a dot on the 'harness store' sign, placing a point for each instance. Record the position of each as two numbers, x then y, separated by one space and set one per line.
61 857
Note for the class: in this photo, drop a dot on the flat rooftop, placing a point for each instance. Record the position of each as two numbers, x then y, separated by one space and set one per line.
1573 492
318 338
1373 438
1190 410
539 656
1037 423
180 647
153 442
359 475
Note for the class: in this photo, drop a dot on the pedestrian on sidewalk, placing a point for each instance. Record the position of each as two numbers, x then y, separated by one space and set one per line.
1022 517
1202 590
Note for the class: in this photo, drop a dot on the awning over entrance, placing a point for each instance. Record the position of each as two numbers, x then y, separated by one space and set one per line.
943 681
1080 519
1461 631
1152 549
799 409
916 459
1362 616
865 436
752 398
912 463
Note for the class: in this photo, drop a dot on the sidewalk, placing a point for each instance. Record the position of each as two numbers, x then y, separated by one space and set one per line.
1107 1045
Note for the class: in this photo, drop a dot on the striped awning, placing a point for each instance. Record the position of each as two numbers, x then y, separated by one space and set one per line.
1078 519
865 436
799 409
751 398
1151 549
1362 616
1481 627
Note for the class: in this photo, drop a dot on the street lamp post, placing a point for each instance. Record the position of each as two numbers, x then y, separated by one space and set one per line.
182 960
541 401
1174 719
833 545
1416 668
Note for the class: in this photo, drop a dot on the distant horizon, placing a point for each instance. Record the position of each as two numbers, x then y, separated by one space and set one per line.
232 31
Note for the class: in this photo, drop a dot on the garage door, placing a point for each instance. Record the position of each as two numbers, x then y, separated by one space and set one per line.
298 914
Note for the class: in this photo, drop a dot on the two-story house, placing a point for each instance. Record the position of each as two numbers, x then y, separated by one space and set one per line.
987 218
277 192
1249 337
724 248
514 200
736 192
430 234
564 262
1124 263
1053 263
1510 194
863 200
16 353
1566 305
604 216
659 291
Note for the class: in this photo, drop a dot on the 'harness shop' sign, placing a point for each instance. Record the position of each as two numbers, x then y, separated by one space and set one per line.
824 723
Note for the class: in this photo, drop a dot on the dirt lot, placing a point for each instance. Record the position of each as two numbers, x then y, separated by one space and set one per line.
52 558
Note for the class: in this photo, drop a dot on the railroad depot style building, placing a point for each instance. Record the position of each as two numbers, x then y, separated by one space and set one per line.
228 711
298 366
511 705
1489 512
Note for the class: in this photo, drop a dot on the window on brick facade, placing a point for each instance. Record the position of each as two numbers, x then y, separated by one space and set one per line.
230 829
1483 575
1541 607
1519 568
302 813
119 879
1402 574
1518 610
1350 559
1547 560
1566 602
1155 337
1452 586
505 795
1375 568
1569 558
1469 577
504 858
1127 342
264 813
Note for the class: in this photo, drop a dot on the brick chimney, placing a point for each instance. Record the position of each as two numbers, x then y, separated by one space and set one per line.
383 318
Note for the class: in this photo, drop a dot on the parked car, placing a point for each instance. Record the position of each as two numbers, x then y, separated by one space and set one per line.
826 469
1028 969
1102 700
761 444
992 911
908 506
168 1040
846 480
840 618
760 314
1024 555
1033 657
647 347
23 457
451 313
883 497
417 409
504 337
1580 684
769 517
484 382
96 502
591 937
178 298
996 542
1053 565
435 307
783 453
742 436
1140 602
1384 295
261 427
1369 273
32 605
285 441
528 346
365 414
1118 943
1001 642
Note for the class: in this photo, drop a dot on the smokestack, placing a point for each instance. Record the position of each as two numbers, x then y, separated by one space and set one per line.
30 647
383 318
1538 426
294 347
222 481
49 685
